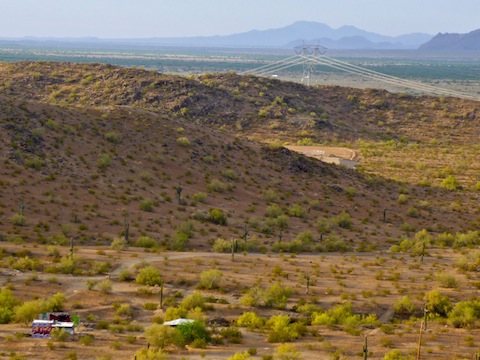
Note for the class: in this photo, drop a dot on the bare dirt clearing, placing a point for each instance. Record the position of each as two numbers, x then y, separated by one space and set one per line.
333 155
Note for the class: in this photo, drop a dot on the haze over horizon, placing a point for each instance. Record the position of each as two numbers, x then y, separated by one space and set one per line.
185 18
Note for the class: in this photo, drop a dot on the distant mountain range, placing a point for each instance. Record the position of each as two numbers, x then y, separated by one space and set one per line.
298 33
461 42
345 37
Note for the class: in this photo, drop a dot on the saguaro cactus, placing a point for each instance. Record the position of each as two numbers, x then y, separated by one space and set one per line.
22 208
126 229
307 277
365 349
179 190
161 295
245 234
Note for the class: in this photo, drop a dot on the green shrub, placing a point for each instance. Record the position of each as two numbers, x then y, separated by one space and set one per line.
149 276
397 355
210 279
448 281
232 335
124 310
113 137
437 305
274 211
230 174
195 300
217 216
222 246
119 244
193 332
250 320
183 141
240 356
468 240
445 239
343 315
101 267
287 352
275 296
282 222
55 302
217 186
270 196
281 330
60 335
305 238
105 286
451 183
295 246
469 262
162 336
200 197
145 242
7 304
86 339
104 161
324 226
402 199
465 314
150 306
151 354
296 210
173 313
35 162
146 205
52 125
67 265
404 307
28 311
26 264
17 220
343 220
253 297
333 243
179 242
125 275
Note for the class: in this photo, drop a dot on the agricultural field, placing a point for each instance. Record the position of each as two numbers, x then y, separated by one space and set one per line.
132 197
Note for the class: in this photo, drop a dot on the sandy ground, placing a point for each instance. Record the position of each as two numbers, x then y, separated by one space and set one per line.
332 155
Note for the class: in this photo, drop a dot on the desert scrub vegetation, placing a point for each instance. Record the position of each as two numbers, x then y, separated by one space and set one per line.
147 205
217 186
145 242
27 311
423 240
194 334
210 279
104 161
279 328
344 315
113 137
149 275
217 216
275 296
183 141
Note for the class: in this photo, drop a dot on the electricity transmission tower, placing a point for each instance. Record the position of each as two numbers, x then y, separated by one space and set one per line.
310 54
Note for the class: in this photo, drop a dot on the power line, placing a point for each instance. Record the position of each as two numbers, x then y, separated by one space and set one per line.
311 55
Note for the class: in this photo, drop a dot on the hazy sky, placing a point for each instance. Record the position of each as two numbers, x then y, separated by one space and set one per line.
178 18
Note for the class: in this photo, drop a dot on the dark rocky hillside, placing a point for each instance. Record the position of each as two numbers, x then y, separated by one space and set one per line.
88 148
